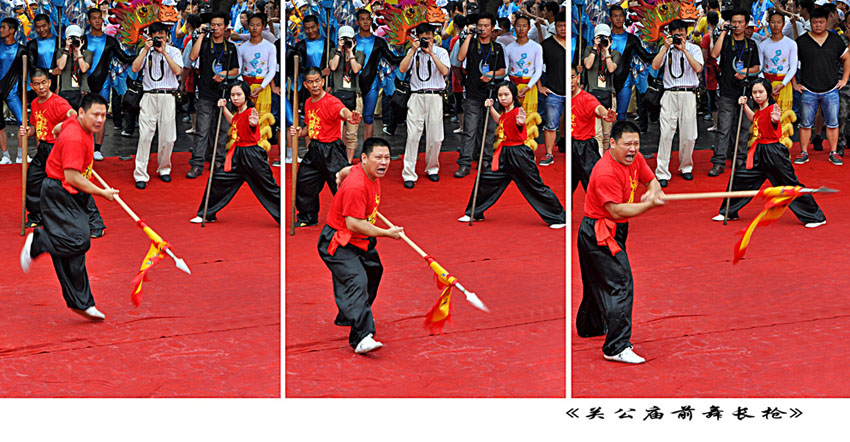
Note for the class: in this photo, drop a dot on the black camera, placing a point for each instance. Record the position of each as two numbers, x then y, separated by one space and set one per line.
347 42
157 42
727 27
603 41
423 42
75 41
677 40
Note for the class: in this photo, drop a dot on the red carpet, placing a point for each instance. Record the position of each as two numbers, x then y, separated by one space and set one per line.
215 333
773 325
513 261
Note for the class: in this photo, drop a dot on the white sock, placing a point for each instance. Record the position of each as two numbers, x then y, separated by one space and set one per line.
20 152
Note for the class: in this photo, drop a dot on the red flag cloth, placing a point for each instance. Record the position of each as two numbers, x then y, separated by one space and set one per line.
155 254
778 200
441 312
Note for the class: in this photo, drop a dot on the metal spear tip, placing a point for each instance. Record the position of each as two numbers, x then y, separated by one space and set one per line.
182 265
476 302
826 190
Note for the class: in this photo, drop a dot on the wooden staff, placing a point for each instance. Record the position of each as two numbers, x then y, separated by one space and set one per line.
226 87
24 145
733 194
293 142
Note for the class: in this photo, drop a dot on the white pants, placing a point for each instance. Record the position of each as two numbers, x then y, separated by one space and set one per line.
677 108
157 111
423 111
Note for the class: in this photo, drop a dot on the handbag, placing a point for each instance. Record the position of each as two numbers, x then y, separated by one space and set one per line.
348 98
401 94
654 91
133 96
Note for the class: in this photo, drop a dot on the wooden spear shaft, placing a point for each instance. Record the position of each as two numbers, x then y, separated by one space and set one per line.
294 145
24 144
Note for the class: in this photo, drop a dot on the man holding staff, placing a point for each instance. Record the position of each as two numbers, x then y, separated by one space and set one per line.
606 306
65 195
347 243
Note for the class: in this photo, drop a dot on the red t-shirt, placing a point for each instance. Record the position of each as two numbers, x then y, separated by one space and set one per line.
322 118
358 197
764 130
612 182
711 65
583 114
241 132
508 131
73 150
45 116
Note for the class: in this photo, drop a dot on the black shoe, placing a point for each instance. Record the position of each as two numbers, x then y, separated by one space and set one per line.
126 134
434 177
341 321
165 178
409 184
462 171
141 184
687 175
300 223
194 172
663 183
97 233
716 170
32 224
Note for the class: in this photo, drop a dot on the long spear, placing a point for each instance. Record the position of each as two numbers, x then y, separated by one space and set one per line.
158 245
294 143
442 274
733 194
24 145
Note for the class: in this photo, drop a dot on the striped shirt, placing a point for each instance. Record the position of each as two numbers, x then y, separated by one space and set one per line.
424 74
677 71
156 74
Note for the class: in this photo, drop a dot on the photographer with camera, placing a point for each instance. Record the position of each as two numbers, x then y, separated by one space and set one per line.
345 63
160 64
484 60
72 67
430 65
681 63
600 63
738 57
218 61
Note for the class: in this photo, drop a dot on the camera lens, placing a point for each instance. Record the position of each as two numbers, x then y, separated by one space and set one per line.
347 43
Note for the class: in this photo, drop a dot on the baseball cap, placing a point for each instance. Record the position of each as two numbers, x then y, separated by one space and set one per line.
752 24
346 31
300 3
74 31
602 29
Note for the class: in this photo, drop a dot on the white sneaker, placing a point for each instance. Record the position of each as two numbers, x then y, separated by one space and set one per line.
5 160
628 356
198 220
26 259
813 225
91 313
18 160
557 226
720 217
464 219
98 156
367 344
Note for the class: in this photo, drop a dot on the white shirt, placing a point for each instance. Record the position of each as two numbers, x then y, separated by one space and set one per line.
680 67
423 71
779 57
155 67
532 31
505 39
258 60
525 61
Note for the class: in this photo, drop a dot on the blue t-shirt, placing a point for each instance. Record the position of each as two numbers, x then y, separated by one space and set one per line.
314 53
95 45
7 57
618 41
46 47
365 45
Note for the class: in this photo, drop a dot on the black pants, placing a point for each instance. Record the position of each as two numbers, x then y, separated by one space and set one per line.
251 165
475 116
516 163
728 112
67 238
356 275
772 162
585 156
73 97
606 304
35 177
319 166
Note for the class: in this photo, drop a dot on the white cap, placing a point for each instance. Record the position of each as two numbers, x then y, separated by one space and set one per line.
358 4
346 31
497 27
846 2
820 2
169 2
73 31
442 3
300 3
19 3
752 24
602 29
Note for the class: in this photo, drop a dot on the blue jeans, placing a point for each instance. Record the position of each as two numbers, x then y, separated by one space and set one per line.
555 106
13 102
370 102
624 96
828 102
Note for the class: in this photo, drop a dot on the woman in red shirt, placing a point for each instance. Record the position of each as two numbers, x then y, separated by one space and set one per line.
514 161
245 160
768 159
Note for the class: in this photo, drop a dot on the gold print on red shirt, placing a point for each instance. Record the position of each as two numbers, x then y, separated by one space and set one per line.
633 183
40 125
313 123
374 215
88 172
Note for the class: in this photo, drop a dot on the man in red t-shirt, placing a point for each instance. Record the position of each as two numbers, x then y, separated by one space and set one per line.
65 195
326 155
48 112
606 305
347 243
584 111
